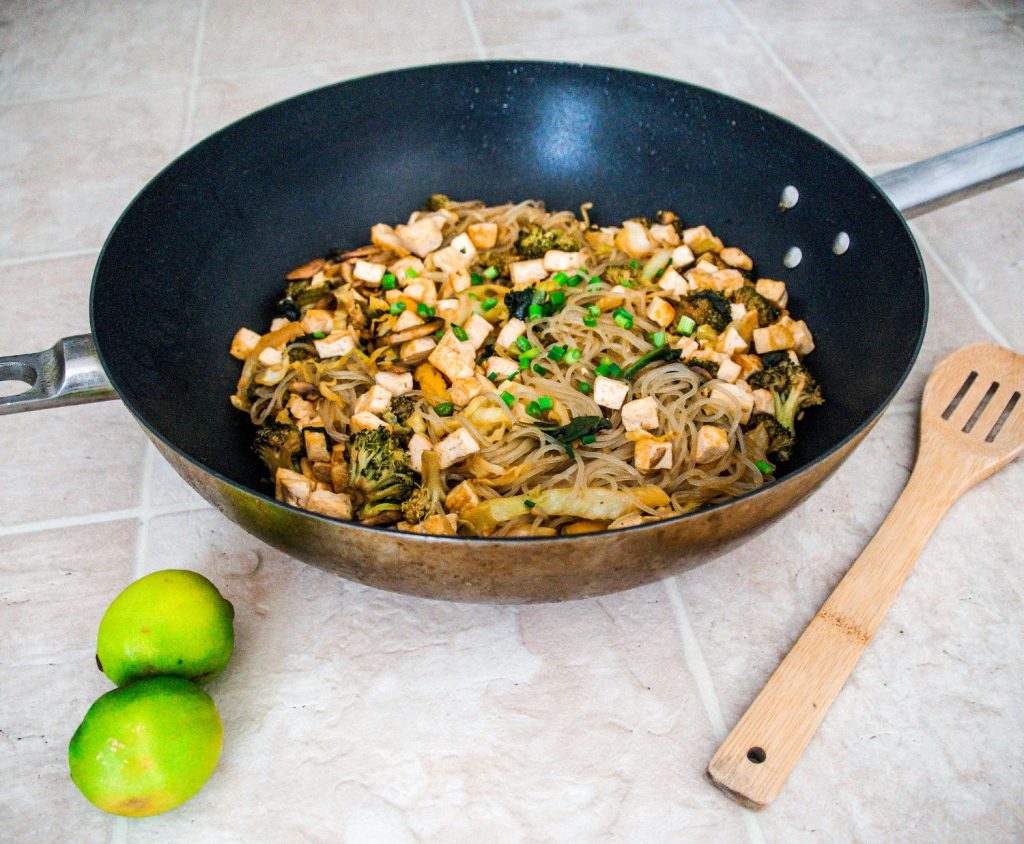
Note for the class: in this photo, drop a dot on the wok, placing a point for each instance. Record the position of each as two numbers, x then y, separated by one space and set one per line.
202 250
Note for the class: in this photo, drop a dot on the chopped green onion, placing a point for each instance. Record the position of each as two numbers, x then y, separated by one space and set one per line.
491 273
445 408
396 307
557 298
614 370
411 273
473 296
475 278
439 333
540 370
493 376
318 335
584 387
764 466
488 303
535 312
522 343
635 264
545 403
593 310
606 361
590 321
424 310
531 353
575 281
658 339
534 410
388 282
686 326
626 282
561 278
623 318
569 451
587 439
524 362
572 355
460 333
556 353
529 505
508 398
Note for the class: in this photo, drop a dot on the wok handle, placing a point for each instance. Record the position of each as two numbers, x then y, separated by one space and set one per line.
951 176
69 373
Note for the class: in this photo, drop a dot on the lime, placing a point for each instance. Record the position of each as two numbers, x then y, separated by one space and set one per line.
169 622
147 747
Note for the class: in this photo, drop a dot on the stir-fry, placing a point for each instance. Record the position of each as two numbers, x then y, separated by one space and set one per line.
509 371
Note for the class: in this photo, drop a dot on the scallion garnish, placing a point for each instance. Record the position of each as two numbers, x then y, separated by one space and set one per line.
587 439
686 326
388 282
658 339
488 303
535 312
590 321
560 278
424 310
556 353
545 403
318 335
522 343
584 387
575 281
411 273
540 370
533 408
396 308
623 318
445 408
529 505
557 298
593 310
491 273
764 466
572 355
508 398
460 333
475 278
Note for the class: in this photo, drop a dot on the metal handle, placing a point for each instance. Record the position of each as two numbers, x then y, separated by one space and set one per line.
951 176
69 373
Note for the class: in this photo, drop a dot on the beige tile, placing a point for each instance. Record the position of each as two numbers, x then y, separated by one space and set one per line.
241 37
932 712
769 11
906 88
574 21
44 301
52 49
68 168
167 489
981 240
438 721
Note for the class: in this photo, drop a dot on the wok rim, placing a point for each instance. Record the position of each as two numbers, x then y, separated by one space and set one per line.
702 511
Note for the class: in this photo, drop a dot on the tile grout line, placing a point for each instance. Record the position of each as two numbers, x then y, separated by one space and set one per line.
192 92
98 518
7 263
698 667
474 32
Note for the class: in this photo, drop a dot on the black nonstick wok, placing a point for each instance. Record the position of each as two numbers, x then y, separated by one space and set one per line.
202 250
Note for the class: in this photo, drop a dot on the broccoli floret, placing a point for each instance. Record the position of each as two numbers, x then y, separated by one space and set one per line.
426 501
397 414
793 388
767 311
380 476
535 240
499 261
709 366
278 446
779 438
304 295
436 202
297 351
770 359
619 275
706 307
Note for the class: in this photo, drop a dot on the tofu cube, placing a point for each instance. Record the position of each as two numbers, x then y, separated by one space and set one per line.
337 505
401 267
733 397
737 310
731 342
448 309
384 236
461 498
396 383
422 237
649 454
688 346
712 444
271 375
375 400
728 370
243 343
773 338
416 351
417 445
483 235
661 312
368 272
300 408
455 447
460 281
728 281
463 390
501 367
682 256
452 259
510 332
406 319
748 364
292 487
773 290
665 235
674 284
640 414
422 290
317 321
316 446
269 356
633 239
524 272
803 342
555 260
477 329
454 357
366 421
736 258
610 393
700 239
764 402
276 323
335 345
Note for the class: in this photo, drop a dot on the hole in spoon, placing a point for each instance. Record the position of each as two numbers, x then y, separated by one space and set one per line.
959 397
790 197
980 409
1010 405
841 243
757 755
793 257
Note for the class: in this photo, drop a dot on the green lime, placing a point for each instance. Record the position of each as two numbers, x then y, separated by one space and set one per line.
147 747
168 622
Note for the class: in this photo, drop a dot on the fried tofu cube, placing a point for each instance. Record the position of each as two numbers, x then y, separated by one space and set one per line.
421 290
634 240
316 446
375 400
555 260
665 235
640 414
401 267
650 454
730 395
448 309
700 239
321 473
682 256
368 271
417 445
463 244
674 284
737 310
339 469
661 312
727 281
712 444
337 505
748 364
396 383
318 321
454 357
510 332
269 356
292 487
335 345
773 290
271 375
366 421
243 343
731 342
803 342
463 390
688 346
384 236
764 402
457 256
406 319
300 408
610 393
278 322
455 447
736 258
483 235
461 498
477 329
728 370
416 351
460 281
523 272
422 237
773 338
501 368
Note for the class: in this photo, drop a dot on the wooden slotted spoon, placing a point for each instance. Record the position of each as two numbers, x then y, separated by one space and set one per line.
972 424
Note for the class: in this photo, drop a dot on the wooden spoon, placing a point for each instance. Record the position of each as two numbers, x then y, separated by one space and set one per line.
972 424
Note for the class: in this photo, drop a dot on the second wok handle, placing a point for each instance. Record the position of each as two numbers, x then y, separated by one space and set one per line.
757 757
951 176
68 373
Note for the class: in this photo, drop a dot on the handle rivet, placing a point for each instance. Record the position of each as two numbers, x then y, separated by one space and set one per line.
757 755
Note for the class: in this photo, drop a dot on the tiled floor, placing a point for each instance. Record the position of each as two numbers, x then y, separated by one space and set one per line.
361 716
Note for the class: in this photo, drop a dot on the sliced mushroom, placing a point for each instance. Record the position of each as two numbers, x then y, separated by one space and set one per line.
413 333
305 390
307 270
